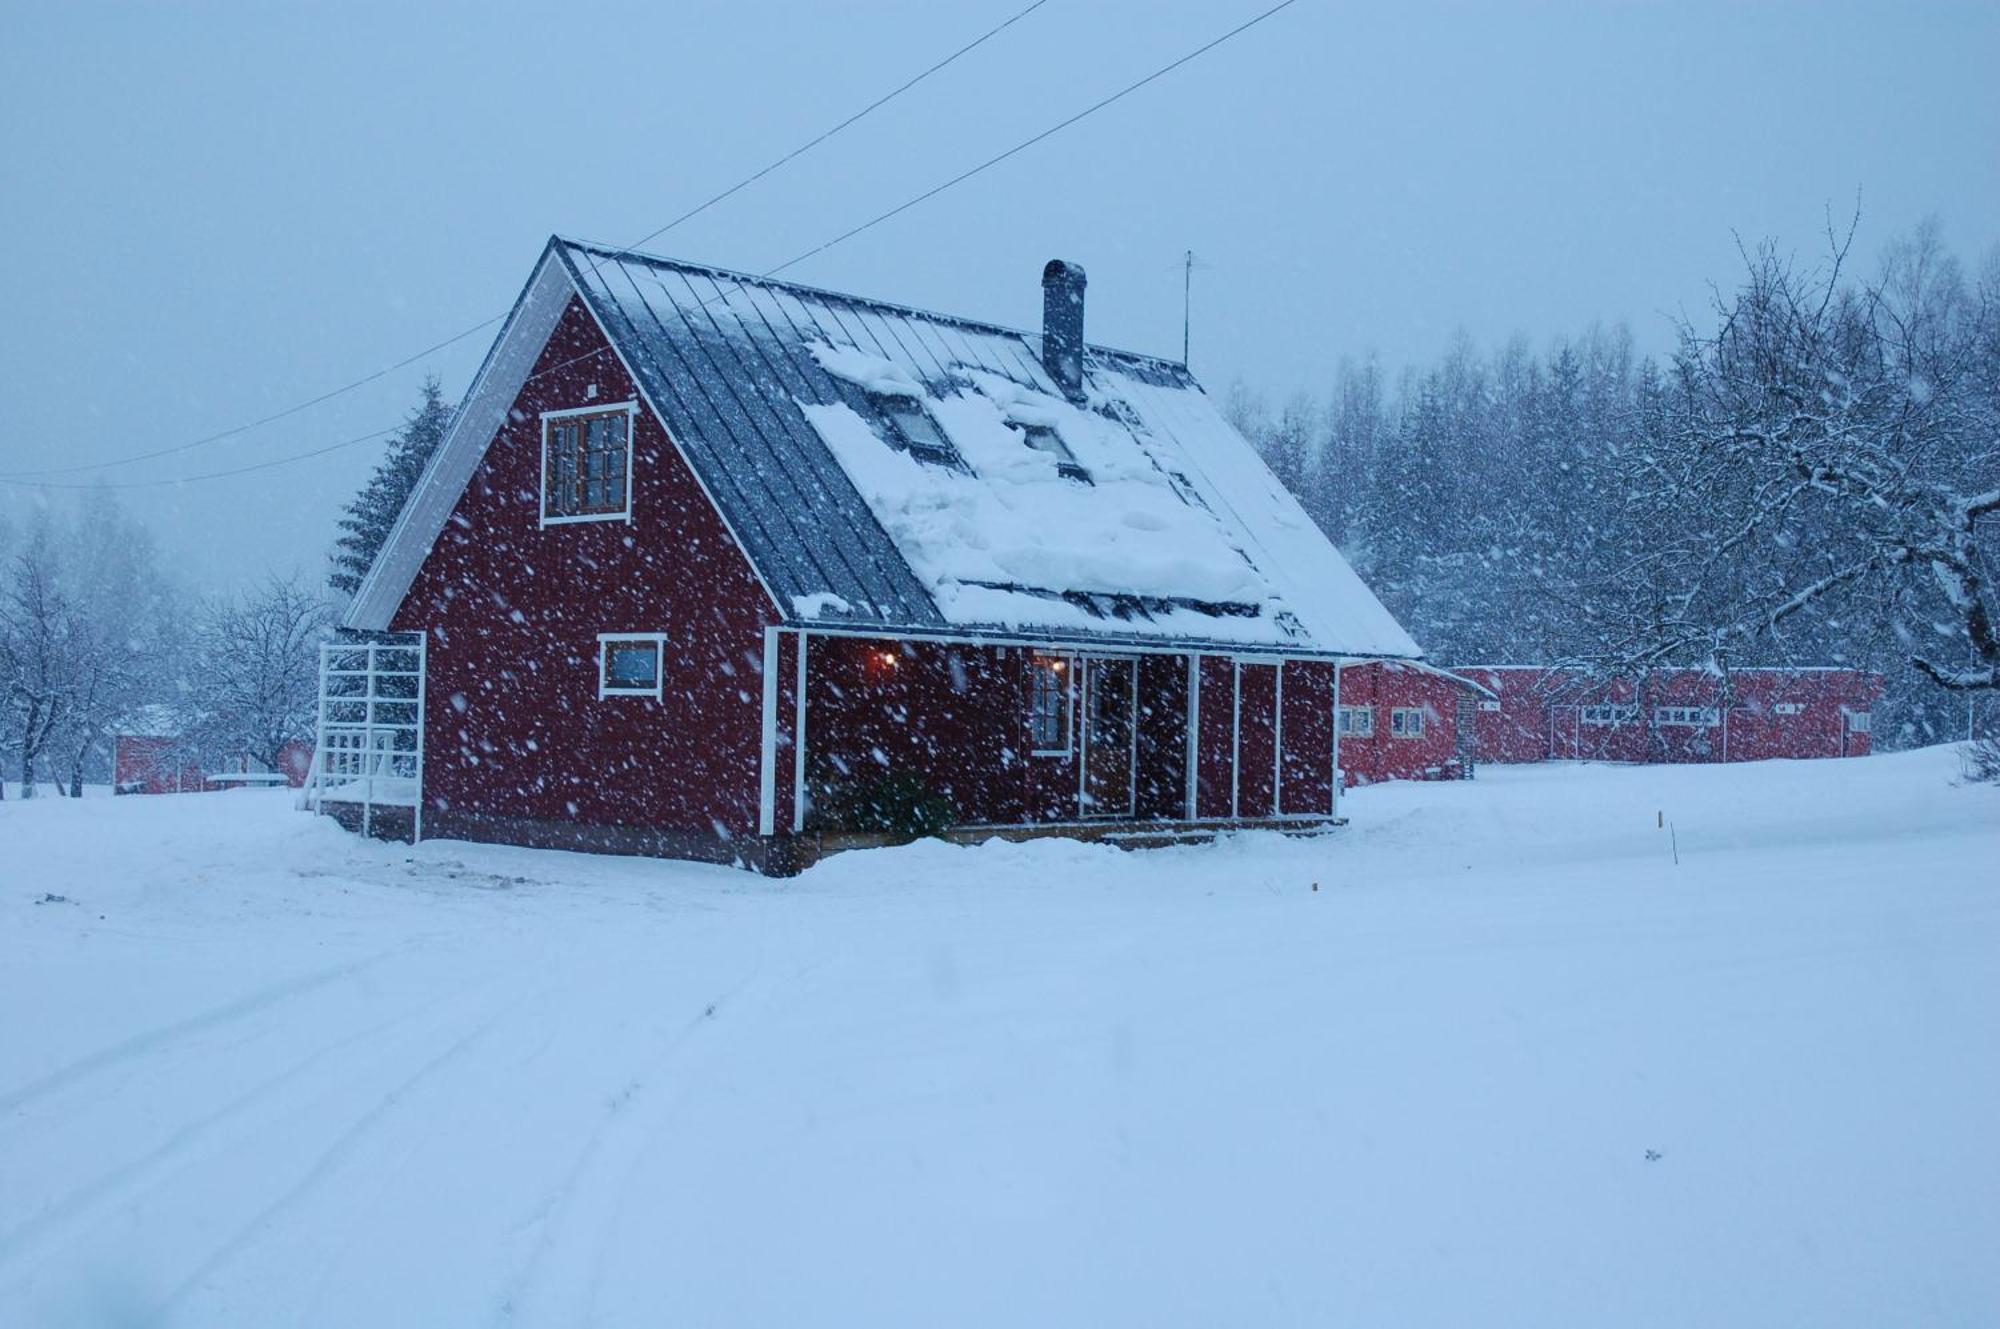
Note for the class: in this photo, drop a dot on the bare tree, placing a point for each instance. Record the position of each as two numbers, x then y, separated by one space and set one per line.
37 652
257 674
120 623
1821 464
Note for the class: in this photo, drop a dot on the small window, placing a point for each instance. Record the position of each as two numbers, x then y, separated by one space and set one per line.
1406 722
916 433
1489 705
628 664
1049 705
587 465
1610 715
1789 708
1357 722
1857 722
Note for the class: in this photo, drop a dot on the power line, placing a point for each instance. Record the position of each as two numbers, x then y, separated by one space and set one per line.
809 146
481 326
848 234
286 460
1027 143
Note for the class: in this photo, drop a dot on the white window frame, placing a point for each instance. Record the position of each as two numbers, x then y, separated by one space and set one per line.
1349 715
1069 672
1857 721
605 640
1788 708
1489 705
1399 713
1686 717
631 409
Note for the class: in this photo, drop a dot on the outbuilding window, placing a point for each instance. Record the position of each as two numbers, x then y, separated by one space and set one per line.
1698 717
628 664
1406 722
1357 722
1610 715
1049 705
587 464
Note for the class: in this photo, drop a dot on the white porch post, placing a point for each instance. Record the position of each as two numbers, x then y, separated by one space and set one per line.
1194 737
1333 809
799 743
767 774
1236 744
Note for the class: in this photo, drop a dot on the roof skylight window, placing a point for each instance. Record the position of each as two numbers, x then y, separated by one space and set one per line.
1043 438
916 433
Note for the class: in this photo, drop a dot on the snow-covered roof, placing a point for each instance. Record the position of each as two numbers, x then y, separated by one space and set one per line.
153 721
895 469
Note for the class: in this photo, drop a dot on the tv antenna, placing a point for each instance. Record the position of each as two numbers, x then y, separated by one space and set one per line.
1187 266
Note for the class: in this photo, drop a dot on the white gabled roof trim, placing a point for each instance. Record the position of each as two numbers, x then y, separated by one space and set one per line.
492 394
451 467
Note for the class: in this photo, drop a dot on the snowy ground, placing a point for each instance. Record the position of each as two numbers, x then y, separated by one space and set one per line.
1509 1064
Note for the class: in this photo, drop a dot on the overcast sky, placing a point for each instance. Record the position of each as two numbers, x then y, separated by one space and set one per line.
214 211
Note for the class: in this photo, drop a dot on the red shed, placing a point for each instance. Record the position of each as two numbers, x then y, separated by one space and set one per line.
154 752
722 567
1673 715
1406 721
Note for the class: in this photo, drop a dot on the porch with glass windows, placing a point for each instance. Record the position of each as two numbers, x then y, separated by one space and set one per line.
973 738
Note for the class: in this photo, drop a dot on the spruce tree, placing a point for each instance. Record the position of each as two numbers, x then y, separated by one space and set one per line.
365 526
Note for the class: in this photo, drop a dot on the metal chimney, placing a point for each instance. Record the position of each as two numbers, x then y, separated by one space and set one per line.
1062 326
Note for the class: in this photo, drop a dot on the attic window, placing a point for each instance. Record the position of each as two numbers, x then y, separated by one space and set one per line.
916 433
587 464
1043 438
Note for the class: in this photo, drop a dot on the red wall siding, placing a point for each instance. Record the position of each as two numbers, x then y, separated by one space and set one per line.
1218 729
1257 739
1163 748
1384 756
145 764
514 724
1307 767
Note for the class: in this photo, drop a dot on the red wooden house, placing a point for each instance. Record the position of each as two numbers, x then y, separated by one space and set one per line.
716 566
1539 713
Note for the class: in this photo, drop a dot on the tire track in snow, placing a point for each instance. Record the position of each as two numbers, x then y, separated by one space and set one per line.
168 1035
556 1214
331 1159
148 1172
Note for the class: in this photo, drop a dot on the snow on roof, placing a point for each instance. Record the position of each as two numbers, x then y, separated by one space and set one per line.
154 721
887 467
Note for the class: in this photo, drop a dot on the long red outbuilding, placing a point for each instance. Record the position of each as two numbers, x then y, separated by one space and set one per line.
1544 713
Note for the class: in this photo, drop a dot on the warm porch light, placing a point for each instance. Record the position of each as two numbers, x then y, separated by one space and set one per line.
887 659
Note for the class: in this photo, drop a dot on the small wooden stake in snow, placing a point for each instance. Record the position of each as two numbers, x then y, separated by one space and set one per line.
1662 816
1674 841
